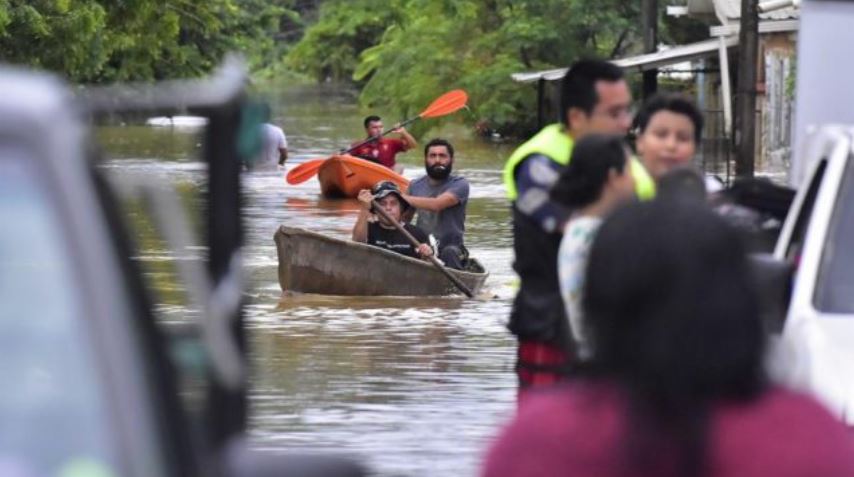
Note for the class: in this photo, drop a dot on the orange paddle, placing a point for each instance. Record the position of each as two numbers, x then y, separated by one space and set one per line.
304 171
448 103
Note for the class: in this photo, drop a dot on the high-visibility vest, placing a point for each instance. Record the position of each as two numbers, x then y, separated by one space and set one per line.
555 144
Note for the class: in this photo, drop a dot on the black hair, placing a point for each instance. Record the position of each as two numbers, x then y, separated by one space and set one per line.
682 183
675 103
439 142
578 88
368 120
674 320
593 157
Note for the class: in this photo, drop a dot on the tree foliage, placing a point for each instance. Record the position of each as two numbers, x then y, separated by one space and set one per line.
331 47
410 51
60 35
100 40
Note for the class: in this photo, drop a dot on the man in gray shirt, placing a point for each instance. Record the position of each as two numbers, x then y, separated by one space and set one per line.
441 201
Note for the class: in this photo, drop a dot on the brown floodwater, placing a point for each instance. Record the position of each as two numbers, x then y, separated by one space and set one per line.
410 386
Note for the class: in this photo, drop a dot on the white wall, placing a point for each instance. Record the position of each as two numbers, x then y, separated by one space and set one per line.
825 72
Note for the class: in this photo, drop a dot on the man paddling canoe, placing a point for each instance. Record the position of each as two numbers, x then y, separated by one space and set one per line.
383 150
378 232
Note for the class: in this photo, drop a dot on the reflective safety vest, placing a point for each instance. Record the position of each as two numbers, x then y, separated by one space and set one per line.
555 144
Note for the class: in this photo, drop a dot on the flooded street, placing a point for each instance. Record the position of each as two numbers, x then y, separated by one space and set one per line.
410 386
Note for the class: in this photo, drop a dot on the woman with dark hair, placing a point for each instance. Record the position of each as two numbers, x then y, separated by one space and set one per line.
594 183
675 384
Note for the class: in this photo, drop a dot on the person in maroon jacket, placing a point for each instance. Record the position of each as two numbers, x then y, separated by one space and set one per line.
675 385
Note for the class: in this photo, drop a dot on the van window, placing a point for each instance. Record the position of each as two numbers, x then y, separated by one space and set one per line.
52 408
834 292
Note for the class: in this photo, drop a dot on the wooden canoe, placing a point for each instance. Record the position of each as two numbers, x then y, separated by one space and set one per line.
345 176
313 263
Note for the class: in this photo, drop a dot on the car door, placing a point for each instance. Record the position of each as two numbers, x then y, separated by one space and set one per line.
84 388
814 351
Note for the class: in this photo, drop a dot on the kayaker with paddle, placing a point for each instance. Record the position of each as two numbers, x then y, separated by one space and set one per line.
381 149
440 199
441 106
379 232
595 98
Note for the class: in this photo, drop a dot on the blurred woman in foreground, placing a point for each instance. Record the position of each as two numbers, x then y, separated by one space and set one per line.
675 385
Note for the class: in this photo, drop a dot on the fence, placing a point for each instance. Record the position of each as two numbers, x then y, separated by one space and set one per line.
715 154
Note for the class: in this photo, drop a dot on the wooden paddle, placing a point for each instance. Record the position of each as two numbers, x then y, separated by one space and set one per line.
456 281
448 103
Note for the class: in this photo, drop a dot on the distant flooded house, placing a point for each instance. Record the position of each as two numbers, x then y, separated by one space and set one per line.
710 65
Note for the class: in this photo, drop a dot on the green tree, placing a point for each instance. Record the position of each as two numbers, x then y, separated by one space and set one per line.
57 35
140 33
180 38
330 48
100 41
260 27
477 44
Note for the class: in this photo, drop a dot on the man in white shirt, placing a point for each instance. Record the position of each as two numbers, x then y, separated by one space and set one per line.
275 145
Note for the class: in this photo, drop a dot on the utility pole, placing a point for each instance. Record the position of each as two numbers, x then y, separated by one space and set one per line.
745 96
649 16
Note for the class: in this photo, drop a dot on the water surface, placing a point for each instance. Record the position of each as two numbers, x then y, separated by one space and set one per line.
411 386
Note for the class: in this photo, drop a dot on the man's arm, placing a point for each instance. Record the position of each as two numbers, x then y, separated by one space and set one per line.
409 213
282 146
433 204
457 192
360 229
535 177
406 138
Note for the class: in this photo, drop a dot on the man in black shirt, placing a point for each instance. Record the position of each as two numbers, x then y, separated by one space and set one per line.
379 233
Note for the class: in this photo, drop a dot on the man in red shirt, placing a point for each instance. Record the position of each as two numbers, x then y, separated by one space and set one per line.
383 150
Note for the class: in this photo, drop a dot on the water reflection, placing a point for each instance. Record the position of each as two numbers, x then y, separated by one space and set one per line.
413 386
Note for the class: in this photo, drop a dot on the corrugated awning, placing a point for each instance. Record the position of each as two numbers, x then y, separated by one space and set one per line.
647 61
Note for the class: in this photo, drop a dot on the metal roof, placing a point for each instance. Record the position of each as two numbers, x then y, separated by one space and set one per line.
729 11
643 62
770 26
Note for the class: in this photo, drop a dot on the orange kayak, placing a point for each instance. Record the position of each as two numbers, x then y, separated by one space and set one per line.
345 176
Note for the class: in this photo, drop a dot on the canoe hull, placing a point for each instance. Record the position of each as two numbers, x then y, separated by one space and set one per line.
345 176
314 263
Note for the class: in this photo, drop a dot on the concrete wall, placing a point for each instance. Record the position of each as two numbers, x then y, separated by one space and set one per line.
775 101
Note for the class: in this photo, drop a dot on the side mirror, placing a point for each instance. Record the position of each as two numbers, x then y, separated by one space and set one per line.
773 280
241 461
